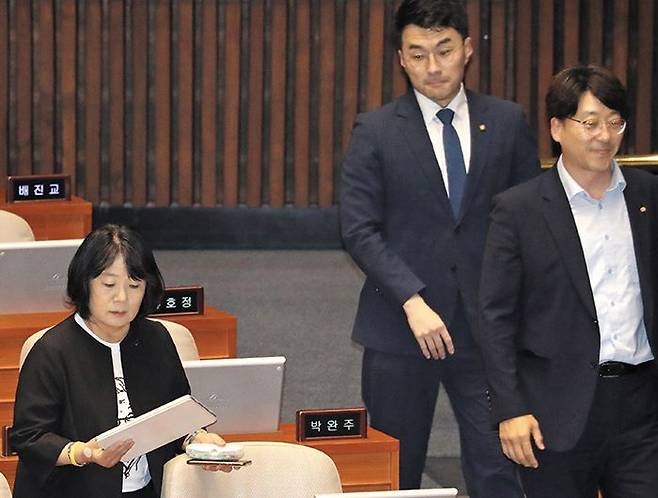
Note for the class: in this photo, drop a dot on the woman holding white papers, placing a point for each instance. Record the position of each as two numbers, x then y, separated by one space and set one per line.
101 367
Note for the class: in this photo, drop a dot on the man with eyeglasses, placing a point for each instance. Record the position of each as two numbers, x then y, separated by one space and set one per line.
568 306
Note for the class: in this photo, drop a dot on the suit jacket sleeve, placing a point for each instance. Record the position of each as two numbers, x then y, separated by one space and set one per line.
363 211
501 289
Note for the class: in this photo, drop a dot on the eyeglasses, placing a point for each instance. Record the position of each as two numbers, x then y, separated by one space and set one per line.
592 126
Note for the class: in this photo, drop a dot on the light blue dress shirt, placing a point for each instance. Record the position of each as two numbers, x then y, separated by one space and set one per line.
607 241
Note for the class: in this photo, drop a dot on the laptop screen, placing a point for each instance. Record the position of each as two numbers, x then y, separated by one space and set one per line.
244 393
33 275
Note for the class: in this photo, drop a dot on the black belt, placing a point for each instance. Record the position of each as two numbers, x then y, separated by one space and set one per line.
617 368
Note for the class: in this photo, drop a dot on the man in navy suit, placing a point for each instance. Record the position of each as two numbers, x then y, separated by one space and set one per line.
568 306
417 184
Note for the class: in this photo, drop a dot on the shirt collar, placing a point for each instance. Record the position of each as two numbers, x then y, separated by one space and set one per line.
572 188
429 108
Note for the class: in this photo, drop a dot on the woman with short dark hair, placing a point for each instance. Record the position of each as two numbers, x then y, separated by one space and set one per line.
98 251
102 366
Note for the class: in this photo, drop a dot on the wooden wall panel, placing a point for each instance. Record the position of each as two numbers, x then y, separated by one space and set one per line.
645 59
474 32
498 60
397 74
185 103
350 87
116 102
239 103
326 105
91 165
620 44
45 119
162 110
255 112
209 104
302 88
545 71
595 24
231 104
4 89
375 57
139 131
523 55
68 116
277 124
23 86
571 26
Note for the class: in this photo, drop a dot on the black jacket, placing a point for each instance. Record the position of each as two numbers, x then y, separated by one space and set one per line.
539 332
66 392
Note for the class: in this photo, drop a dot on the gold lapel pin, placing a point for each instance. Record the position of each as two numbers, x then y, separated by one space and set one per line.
643 209
483 127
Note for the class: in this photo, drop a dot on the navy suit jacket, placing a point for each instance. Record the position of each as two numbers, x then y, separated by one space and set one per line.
538 330
396 219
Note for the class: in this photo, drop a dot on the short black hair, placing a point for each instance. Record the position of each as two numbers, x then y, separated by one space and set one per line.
98 251
431 14
568 86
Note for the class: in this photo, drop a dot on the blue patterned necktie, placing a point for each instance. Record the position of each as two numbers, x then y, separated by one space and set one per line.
454 160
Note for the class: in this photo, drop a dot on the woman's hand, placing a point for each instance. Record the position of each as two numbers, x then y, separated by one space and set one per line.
108 457
212 438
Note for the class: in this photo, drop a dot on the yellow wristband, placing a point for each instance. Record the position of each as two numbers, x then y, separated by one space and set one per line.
71 453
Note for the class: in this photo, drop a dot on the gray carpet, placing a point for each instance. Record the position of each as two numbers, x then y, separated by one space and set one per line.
301 304
444 472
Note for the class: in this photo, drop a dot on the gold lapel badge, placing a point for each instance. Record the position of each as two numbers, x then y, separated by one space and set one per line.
643 209
483 127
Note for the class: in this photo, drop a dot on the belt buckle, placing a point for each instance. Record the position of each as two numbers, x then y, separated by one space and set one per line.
611 369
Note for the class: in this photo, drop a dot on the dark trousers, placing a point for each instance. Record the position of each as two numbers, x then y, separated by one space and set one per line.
400 393
617 452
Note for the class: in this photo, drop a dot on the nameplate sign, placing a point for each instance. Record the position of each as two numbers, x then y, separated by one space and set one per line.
38 188
6 447
181 301
331 424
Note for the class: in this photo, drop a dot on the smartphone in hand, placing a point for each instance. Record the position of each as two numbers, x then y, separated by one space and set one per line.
232 463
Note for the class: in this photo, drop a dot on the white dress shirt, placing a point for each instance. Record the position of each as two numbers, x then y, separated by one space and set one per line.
607 241
461 122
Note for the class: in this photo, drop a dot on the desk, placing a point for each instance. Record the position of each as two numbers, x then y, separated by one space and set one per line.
369 464
215 334
52 220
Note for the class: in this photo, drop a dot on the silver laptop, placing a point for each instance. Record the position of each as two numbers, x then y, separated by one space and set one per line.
33 275
244 393
411 493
